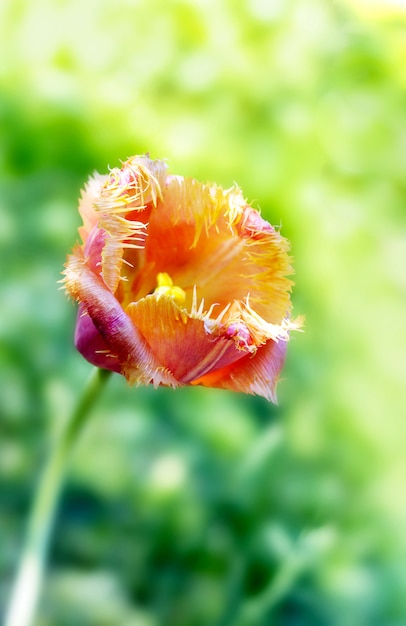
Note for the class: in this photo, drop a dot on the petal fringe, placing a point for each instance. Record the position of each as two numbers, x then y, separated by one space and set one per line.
202 204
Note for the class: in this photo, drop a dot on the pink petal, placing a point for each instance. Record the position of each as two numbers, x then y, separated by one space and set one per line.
257 375
91 344
93 249
138 363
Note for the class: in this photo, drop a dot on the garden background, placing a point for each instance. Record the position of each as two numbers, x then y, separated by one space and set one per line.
200 507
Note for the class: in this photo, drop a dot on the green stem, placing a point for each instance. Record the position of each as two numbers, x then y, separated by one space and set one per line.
27 586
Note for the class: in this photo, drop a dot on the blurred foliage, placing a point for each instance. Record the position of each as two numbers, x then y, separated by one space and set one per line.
200 507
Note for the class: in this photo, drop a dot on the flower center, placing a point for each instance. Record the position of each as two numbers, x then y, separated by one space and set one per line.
166 287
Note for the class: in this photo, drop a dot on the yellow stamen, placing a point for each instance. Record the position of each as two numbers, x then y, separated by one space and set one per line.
166 287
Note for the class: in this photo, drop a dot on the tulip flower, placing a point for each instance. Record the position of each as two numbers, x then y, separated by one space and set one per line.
179 282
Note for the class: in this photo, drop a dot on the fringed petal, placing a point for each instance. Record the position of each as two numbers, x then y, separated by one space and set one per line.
205 236
121 204
257 375
138 364
179 341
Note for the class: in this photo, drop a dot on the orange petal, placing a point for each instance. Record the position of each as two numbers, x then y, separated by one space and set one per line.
257 375
179 341
205 236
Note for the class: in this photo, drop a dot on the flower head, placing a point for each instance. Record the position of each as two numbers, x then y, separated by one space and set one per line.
179 282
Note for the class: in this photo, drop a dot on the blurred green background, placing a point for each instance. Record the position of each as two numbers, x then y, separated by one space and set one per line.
199 507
